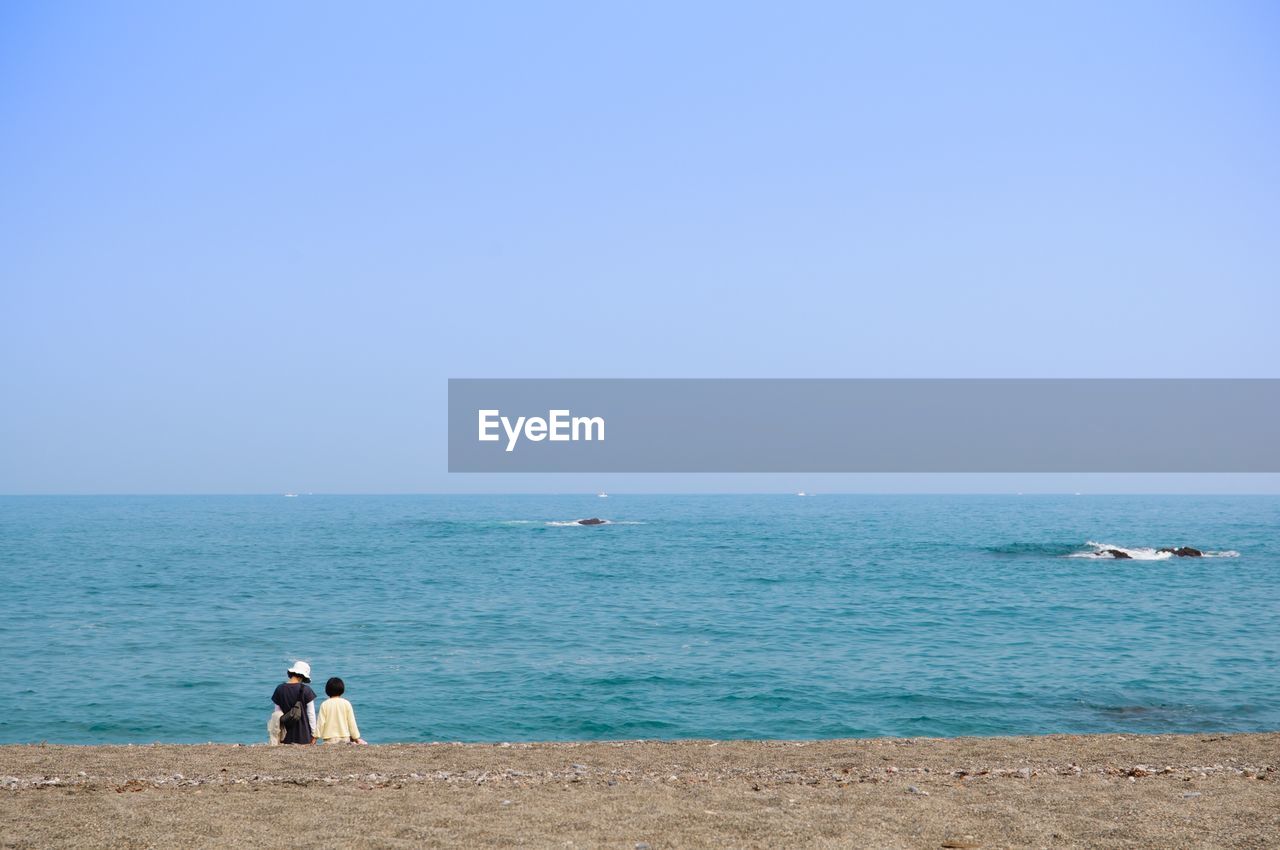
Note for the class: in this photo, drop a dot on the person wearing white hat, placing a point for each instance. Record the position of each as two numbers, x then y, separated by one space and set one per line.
287 725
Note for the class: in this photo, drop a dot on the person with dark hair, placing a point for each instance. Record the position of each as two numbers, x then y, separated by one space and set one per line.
296 703
337 717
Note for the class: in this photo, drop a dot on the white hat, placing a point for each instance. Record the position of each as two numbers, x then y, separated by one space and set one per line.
301 669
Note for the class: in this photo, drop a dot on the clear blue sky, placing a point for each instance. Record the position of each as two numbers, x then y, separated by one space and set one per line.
243 246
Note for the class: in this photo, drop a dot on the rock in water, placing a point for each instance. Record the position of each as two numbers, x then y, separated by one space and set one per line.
595 520
1187 552
1118 553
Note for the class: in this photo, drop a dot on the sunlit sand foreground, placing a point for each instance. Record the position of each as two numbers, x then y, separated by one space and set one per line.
1054 791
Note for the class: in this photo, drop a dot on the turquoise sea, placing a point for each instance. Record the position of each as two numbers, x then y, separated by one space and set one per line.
487 618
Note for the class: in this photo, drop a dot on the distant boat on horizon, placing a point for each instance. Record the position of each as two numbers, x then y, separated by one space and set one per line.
291 495
602 495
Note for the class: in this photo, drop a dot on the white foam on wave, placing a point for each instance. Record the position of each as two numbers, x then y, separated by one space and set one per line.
1138 553
1141 553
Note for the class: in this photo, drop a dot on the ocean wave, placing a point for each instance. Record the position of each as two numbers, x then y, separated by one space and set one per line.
1141 553
1024 549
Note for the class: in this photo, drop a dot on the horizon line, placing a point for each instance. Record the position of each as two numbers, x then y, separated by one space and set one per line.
790 493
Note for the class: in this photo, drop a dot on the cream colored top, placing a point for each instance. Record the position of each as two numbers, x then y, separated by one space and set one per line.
337 721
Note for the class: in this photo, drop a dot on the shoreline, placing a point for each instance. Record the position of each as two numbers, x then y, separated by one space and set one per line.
1108 790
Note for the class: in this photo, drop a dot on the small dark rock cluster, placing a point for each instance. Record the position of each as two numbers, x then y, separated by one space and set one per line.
1181 552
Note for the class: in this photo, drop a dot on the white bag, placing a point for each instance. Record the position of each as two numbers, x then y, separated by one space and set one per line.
275 733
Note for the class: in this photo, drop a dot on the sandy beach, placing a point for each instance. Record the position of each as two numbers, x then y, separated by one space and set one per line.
1053 791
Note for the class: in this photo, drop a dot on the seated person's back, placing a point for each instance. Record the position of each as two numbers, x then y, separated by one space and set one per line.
337 723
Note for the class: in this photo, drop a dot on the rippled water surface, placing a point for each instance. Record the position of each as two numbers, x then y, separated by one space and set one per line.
488 618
